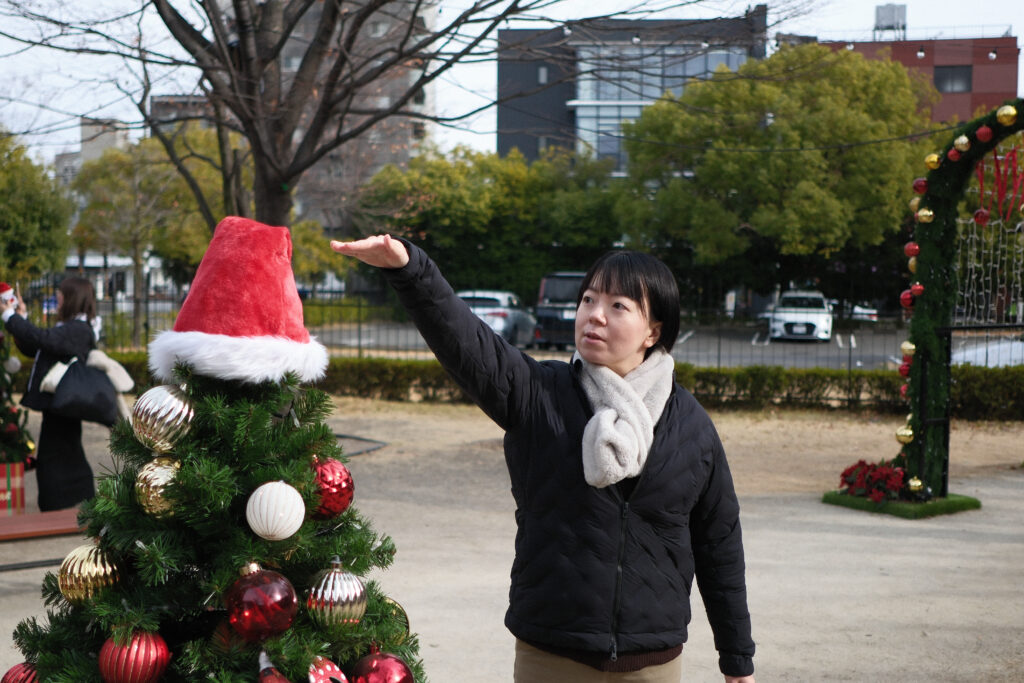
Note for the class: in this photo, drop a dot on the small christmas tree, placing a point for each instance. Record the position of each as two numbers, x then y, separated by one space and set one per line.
224 547
16 445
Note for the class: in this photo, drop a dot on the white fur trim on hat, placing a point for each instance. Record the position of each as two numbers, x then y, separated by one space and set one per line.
248 359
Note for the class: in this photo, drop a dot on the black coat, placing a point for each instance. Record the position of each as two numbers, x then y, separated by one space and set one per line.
595 570
74 338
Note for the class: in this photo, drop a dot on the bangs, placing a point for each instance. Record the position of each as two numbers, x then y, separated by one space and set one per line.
618 275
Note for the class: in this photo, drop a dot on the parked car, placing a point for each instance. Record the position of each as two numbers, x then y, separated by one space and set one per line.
503 312
992 353
861 311
801 314
556 309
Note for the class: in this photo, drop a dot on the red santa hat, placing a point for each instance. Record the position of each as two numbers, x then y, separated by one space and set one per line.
6 293
242 319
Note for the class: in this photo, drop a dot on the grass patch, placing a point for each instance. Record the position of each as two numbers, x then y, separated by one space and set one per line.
936 506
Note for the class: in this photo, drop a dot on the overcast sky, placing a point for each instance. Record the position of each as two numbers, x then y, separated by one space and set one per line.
57 79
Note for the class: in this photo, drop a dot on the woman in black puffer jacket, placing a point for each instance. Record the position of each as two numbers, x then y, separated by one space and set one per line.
623 493
64 476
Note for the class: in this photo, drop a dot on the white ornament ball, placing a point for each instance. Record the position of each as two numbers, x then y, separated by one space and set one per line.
12 364
275 511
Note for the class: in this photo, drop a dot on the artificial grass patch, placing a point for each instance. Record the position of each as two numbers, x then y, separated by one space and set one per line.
936 506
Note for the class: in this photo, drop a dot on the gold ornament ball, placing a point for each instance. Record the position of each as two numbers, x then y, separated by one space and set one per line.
1006 115
912 264
393 609
933 161
84 572
925 215
915 484
915 203
908 348
151 482
161 416
905 434
962 143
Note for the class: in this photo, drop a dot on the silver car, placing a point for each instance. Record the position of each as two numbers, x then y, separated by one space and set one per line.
503 312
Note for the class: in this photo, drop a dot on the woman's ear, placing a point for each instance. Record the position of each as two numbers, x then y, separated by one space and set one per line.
654 335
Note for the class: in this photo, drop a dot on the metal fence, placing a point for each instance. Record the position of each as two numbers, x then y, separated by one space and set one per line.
350 327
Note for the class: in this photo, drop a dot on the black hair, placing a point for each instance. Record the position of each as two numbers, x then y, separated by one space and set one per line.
79 297
643 278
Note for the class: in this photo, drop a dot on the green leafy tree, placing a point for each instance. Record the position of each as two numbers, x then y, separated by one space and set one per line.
34 215
137 204
495 222
769 164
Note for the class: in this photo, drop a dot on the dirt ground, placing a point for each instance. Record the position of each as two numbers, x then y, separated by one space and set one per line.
772 451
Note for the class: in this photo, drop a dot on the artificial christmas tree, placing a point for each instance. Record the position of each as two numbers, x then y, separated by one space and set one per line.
212 531
16 445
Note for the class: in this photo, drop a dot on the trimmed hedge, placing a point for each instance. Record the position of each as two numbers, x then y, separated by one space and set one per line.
976 393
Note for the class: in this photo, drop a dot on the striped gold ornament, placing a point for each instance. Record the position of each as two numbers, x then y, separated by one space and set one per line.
84 572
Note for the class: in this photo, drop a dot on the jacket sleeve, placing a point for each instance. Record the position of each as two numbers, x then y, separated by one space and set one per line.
62 341
494 374
720 567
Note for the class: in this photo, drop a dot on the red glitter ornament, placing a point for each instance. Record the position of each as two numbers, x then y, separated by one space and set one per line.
920 185
984 133
143 660
381 667
905 369
335 486
953 154
911 249
908 359
323 670
907 299
20 673
917 289
261 604
981 216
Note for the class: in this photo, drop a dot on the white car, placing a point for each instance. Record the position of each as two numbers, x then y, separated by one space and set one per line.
801 314
503 313
994 353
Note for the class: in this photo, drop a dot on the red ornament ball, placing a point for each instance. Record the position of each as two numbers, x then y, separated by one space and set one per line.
984 133
268 674
261 604
908 359
905 369
335 486
981 216
20 673
953 154
904 389
907 299
323 670
920 185
381 667
143 660
911 249
917 289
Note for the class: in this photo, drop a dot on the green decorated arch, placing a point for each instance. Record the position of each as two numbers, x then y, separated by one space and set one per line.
932 295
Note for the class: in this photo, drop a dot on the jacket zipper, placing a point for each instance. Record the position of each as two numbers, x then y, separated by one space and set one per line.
618 583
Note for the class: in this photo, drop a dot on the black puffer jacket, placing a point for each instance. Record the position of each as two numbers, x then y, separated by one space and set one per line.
593 570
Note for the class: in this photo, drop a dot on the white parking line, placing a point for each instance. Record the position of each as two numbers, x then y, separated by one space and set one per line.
683 337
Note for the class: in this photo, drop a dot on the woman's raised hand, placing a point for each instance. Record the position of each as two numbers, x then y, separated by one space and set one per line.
380 250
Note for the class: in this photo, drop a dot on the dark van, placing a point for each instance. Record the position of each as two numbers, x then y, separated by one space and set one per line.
556 309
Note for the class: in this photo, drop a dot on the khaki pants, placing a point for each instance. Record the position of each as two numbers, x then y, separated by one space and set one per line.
537 666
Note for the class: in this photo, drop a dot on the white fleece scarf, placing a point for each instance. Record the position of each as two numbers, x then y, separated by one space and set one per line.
618 437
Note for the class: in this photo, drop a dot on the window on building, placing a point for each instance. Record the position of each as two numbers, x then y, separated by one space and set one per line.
542 143
378 29
953 78
419 130
542 74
